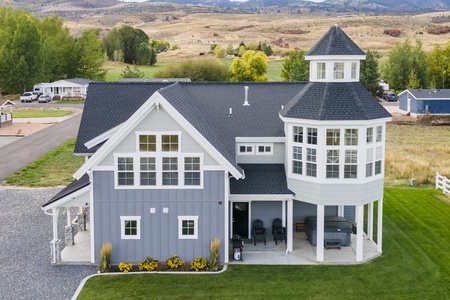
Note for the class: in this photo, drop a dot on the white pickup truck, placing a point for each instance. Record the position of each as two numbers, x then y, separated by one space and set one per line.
28 97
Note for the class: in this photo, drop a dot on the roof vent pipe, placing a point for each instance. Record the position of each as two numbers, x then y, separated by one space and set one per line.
231 112
246 96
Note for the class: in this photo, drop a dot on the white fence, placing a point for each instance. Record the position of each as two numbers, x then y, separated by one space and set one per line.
443 183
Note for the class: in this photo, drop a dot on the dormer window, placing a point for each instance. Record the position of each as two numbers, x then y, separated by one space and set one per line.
321 70
338 70
353 73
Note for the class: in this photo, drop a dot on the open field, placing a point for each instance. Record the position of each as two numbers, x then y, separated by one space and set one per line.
195 32
415 265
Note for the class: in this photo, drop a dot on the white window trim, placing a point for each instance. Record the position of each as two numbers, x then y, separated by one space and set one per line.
180 227
239 145
138 227
158 159
159 135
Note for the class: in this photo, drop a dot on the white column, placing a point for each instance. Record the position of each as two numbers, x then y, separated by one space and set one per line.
359 232
290 225
228 217
249 220
370 221
320 232
380 226
340 210
69 221
283 213
55 213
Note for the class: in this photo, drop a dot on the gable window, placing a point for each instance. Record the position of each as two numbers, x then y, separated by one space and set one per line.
188 227
192 171
130 227
321 70
170 171
353 73
246 149
338 70
147 143
169 142
148 170
379 133
312 136
298 134
311 166
332 164
297 164
264 149
350 166
369 135
351 137
125 173
333 137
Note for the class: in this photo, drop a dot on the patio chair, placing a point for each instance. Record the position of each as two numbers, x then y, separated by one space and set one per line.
278 231
258 230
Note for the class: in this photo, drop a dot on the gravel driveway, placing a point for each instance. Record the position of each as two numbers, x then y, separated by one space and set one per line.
25 234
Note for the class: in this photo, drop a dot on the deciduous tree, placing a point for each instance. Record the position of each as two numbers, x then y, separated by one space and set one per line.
251 67
295 67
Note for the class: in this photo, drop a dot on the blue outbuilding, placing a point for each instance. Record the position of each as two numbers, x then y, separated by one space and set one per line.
422 101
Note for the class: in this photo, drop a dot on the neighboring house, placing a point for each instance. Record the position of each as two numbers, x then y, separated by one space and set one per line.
425 101
6 117
75 87
172 166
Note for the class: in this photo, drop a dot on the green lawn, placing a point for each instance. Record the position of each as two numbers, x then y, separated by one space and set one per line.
415 265
37 113
54 168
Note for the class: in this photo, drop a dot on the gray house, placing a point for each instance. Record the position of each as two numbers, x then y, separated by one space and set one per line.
172 166
420 102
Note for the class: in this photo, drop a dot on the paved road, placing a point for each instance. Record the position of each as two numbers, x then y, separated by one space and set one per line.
20 153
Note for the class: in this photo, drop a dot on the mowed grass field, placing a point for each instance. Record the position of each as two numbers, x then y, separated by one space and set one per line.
415 265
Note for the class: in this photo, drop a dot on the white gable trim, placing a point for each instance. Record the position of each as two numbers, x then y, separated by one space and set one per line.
335 57
154 101
71 200
102 137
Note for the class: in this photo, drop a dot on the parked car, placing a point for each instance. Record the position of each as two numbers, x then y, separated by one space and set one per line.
44 99
390 96
28 97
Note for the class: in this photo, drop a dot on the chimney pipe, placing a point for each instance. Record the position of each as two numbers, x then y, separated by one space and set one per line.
246 96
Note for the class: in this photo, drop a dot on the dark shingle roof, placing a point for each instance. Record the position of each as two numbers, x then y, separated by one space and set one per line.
335 42
430 94
207 105
71 188
109 104
81 81
330 101
261 179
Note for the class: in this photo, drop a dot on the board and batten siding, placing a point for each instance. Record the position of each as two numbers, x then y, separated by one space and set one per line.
159 231
158 121
337 194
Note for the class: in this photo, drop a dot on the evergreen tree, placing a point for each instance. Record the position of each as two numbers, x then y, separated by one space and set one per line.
90 56
369 74
131 73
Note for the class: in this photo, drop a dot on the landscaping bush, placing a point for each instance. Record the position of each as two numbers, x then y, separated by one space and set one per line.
124 267
215 248
199 263
174 262
149 264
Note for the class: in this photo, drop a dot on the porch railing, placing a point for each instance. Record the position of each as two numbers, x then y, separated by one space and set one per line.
443 183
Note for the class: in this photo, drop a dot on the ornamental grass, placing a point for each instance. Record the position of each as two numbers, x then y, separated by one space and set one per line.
105 254
215 249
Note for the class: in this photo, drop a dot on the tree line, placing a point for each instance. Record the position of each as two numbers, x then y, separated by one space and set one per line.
34 50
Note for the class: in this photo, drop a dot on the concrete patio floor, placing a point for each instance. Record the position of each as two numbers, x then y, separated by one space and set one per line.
269 254
303 253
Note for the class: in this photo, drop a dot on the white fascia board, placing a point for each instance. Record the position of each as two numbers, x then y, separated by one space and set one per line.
336 58
277 139
431 98
63 83
119 135
154 101
102 137
67 199
320 123
199 138
261 197
405 92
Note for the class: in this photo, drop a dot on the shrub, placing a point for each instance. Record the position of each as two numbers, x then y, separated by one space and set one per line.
174 262
148 264
199 263
125 267
215 248
392 32
105 254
